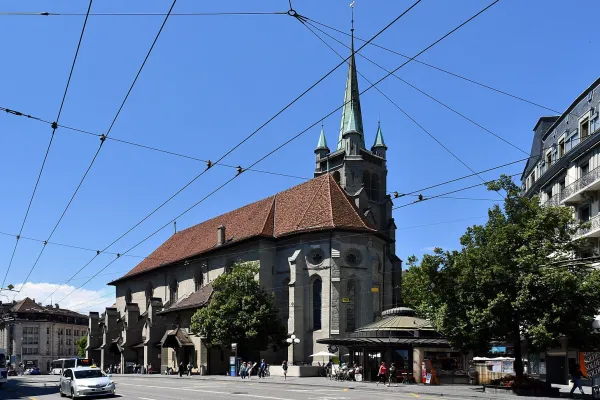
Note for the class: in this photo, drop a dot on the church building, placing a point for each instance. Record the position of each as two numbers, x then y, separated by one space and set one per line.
326 249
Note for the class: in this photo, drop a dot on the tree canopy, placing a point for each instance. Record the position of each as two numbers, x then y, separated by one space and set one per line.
514 278
81 345
240 311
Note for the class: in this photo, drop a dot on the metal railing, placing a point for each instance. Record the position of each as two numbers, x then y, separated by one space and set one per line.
581 183
593 224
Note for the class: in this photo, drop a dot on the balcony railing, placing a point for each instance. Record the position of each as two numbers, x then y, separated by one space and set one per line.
593 225
581 183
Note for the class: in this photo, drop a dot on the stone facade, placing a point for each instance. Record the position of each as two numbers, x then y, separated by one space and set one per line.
326 249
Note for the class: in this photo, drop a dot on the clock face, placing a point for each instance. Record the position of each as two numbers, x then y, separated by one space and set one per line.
332 349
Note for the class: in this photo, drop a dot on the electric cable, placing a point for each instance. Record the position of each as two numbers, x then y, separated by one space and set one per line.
54 127
101 140
301 133
138 14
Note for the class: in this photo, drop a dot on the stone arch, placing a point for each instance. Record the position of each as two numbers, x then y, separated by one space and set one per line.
366 182
375 188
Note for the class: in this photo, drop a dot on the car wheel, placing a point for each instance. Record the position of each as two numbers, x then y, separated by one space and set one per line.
72 393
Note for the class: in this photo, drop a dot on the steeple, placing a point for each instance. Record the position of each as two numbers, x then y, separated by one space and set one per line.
351 114
379 146
322 145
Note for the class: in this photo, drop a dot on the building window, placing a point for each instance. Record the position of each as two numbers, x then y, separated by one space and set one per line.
317 289
561 147
198 279
367 183
353 257
47 330
336 177
584 213
149 292
585 169
548 160
315 257
173 288
584 128
375 188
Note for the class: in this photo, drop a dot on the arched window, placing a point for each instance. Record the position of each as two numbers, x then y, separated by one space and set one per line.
336 176
128 296
367 183
317 290
149 292
352 306
198 279
375 188
173 288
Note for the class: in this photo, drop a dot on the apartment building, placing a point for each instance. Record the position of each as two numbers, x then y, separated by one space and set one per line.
564 168
35 335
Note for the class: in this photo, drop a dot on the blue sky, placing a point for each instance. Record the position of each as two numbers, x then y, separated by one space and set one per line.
212 80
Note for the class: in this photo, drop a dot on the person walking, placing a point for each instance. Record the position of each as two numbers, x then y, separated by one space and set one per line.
382 373
262 369
576 376
243 370
189 368
249 369
181 369
392 375
284 367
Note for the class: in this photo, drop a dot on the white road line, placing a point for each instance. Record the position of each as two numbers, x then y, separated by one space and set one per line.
145 398
212 391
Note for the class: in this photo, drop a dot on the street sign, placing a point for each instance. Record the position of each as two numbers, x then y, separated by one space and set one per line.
345 300
375 290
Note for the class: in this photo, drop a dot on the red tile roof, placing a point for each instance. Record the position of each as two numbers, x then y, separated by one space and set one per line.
27 305
318 204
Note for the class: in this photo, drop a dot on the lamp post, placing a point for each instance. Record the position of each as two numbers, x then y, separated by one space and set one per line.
293 340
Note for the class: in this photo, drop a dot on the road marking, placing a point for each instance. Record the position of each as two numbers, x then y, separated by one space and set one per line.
416 395
145 398
210 391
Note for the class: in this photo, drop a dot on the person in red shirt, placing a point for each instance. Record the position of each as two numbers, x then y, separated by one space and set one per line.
382 373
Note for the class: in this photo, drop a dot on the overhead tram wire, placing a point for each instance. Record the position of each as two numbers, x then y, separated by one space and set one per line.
503 92
239 168
298 135
185 156
398 107
411 85
54 126
102 140
138 14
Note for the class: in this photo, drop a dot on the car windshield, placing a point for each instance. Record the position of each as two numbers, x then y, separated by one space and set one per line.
91 373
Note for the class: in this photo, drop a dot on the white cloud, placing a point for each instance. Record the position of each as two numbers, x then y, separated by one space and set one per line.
82 300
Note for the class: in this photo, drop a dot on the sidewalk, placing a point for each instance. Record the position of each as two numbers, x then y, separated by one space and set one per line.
463 391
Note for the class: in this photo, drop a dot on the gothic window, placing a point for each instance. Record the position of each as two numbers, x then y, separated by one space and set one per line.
336 176
375 188
367 183
317 289
353 257
198 279
149 292
315 257
351 307
173 288
128 296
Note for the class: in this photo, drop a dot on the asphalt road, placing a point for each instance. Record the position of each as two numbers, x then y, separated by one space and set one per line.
46 387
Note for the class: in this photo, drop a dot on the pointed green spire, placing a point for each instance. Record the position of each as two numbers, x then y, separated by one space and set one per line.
322 141
379 137
351 114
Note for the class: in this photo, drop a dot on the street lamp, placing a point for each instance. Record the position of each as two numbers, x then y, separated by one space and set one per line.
293 340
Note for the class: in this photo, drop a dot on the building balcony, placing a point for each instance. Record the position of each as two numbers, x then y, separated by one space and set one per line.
592 230
575 192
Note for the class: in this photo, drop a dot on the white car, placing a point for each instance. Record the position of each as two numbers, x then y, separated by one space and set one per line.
85 381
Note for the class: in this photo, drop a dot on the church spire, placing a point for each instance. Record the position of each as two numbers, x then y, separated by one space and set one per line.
351 114
322 145
379 137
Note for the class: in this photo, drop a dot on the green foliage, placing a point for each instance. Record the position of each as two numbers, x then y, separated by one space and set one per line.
81 345
513 277
240 311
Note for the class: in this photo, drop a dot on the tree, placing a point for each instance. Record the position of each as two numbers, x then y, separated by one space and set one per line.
240 311
514 278
81 345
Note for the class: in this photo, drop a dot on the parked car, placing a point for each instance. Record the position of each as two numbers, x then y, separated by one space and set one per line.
34 371
86 381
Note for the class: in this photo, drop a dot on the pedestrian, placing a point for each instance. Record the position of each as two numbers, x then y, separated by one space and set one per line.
284 367
576 376
189 368
262 369
181 369
249 369
382 373
243 370
392 375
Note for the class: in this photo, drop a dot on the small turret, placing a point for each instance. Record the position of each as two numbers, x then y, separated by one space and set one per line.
379 147
322 150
